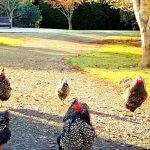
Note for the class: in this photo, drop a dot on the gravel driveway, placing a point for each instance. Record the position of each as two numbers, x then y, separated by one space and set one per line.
34 70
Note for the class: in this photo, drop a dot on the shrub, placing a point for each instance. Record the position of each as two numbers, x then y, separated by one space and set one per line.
87 16
90 16
28 15
52 18
96 16
128 20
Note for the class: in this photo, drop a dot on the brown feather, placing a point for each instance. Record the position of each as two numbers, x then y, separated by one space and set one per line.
5 88
134 94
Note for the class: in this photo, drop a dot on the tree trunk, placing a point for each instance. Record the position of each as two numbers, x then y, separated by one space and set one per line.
11 19
142 13
70 23
145 38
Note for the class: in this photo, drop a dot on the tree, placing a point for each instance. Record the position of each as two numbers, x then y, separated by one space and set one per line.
123 4
35 2
142 13
141 10
126 12
27 15
66 7
9 6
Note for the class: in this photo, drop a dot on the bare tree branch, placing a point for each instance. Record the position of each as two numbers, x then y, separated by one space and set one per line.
9 6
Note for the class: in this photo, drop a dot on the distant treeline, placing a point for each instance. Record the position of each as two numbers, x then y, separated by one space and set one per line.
89 16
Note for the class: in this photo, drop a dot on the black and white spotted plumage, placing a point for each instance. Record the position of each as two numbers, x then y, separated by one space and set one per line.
134 93
78 136
5 88
78 133
5 133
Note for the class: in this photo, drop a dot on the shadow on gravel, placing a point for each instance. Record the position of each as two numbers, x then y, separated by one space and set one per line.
114 117
90 39
29 133
75 37
109 144
66 37
34 113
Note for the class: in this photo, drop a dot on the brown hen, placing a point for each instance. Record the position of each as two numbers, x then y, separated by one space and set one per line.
62 90
134 93
5 88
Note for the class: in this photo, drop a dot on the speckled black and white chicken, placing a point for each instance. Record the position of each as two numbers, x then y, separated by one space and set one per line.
78 133
5 88
5 133
62 90
134 93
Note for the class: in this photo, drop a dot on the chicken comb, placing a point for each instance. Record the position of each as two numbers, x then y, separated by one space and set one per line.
77 107
139 80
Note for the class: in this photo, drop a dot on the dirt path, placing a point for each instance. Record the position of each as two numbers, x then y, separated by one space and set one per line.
36 116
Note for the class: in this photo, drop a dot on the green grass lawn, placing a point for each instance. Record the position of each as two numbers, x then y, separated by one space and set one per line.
113 61
10 41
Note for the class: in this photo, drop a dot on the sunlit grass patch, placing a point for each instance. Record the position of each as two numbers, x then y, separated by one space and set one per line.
112 56
112 63
122 38
115 75
10 41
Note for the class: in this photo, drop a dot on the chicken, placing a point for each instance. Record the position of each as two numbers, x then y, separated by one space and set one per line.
78 133
5 89
85 114
134 93
62 90
5 133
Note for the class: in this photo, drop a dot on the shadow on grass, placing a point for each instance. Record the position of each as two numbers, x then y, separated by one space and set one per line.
30 134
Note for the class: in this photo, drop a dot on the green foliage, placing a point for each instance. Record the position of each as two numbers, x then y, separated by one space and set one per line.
87 16
8 6
96 16
52 18
126 12
122 4
90 16
128 19
27 15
